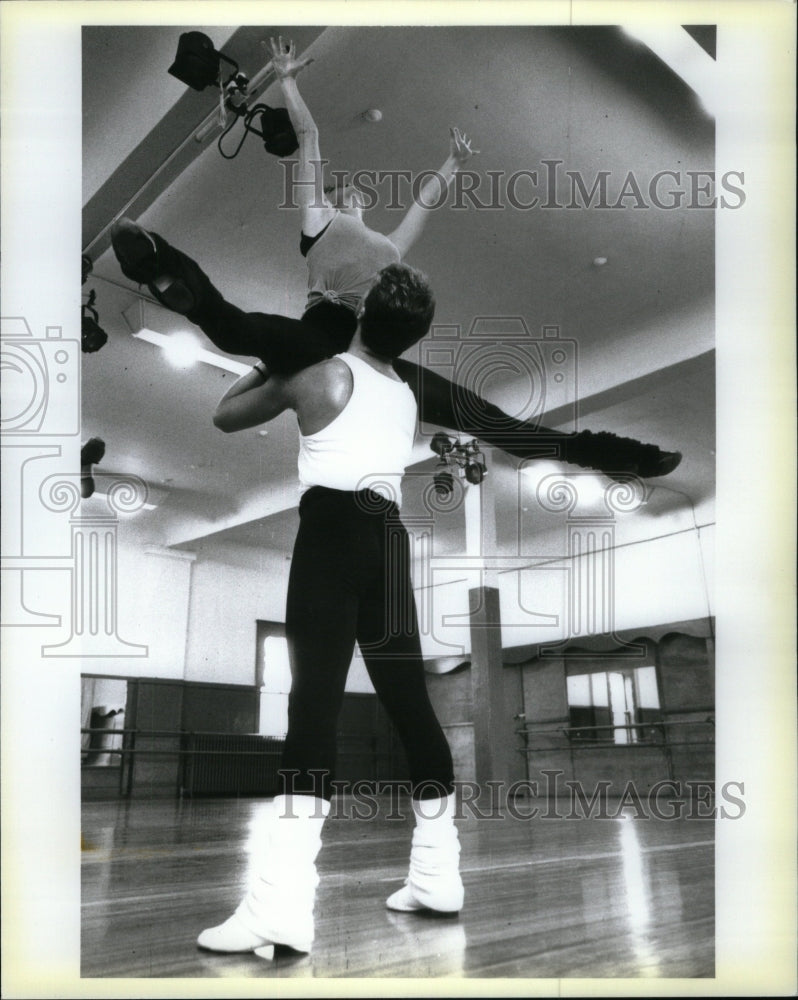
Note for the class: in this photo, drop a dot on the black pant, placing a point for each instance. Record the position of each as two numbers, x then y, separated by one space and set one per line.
285 345
288 345
350 581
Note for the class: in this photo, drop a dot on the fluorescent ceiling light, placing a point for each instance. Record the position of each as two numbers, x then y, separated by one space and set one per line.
104 496
682 53
183 350
590 486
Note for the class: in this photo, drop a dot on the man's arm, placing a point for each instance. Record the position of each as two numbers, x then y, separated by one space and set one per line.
254 399
317 394
410 228
309 178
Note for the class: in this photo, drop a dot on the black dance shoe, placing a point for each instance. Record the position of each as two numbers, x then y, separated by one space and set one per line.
146 258
619 456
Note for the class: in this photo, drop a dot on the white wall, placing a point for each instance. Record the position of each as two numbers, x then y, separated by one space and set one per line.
230 591
226 602
146 613
197 614
655 581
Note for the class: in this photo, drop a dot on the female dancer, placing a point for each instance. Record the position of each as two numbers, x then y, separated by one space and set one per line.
343 255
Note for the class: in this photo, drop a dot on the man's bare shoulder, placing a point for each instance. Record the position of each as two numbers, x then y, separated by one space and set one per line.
329 378
320 393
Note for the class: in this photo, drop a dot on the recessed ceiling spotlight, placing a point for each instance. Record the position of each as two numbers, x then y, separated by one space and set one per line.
372 115
599 261
263 433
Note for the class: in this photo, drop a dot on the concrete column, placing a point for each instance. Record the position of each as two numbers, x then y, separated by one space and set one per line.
488 693
487 672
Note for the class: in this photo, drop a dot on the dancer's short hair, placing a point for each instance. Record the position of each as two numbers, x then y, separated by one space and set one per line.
397 310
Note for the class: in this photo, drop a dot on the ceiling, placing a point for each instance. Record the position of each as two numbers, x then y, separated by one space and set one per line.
640 328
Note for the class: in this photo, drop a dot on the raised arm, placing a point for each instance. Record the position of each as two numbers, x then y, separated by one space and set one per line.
309 178
254 399
411 227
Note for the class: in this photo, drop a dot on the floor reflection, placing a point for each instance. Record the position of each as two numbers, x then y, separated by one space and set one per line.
546 899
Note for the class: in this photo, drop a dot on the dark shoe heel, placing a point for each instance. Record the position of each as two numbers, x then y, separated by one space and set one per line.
172 278
135 250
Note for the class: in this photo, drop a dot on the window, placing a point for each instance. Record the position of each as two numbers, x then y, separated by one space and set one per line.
273 678
610 706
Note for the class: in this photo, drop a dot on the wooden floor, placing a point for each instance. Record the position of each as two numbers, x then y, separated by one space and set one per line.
545 898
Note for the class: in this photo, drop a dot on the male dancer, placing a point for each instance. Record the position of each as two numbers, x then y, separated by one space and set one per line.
349 582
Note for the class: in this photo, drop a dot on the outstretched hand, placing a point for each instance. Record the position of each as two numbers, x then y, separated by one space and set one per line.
283 59
460 146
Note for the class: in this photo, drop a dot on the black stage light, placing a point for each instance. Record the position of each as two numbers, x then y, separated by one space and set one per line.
441 444
93 337
475 472
197 63
90 454
443 481
277 131
92 451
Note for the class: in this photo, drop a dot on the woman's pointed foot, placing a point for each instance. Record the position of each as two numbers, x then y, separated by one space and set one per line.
148 259
135 250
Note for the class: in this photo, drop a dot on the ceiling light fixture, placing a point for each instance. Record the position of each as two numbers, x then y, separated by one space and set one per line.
591 487
183 350
100 495
682 53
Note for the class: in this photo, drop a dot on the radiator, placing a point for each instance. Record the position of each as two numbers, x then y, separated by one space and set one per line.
229 764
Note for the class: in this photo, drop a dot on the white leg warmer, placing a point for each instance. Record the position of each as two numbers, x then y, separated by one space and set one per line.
433 882
278 909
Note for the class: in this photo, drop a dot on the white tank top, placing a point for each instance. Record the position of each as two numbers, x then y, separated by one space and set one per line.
369 444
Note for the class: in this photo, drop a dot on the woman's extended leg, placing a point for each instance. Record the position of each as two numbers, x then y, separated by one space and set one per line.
288 345
449 404
284 344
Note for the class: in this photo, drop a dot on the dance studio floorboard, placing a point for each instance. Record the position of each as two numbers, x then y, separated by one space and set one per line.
545 898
